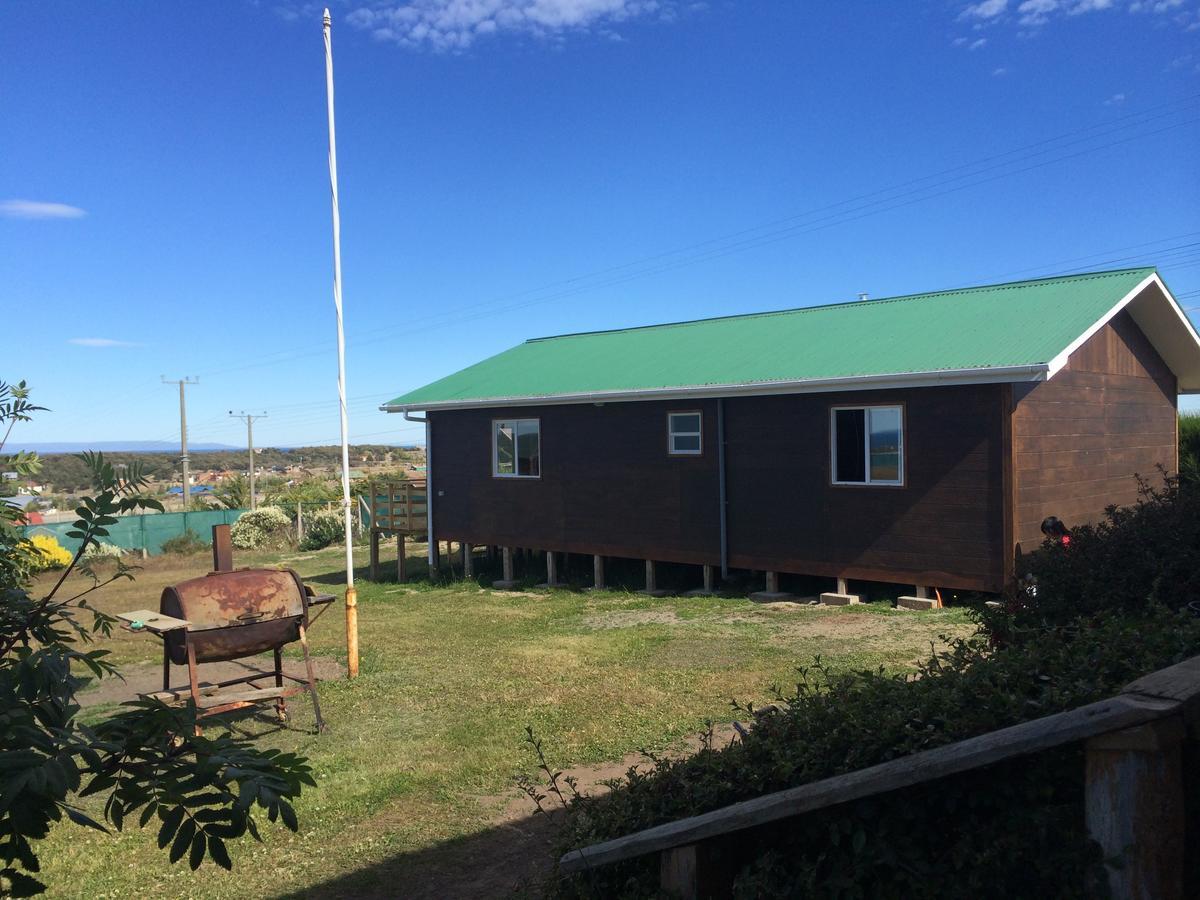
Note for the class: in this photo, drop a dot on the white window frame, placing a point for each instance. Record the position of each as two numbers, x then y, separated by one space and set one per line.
672 434
867 480
496 473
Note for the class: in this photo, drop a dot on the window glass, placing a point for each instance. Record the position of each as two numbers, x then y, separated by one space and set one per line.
683 433
885 443
516 448
529 456
505 456
849 435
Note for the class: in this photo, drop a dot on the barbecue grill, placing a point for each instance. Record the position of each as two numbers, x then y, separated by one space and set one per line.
235 615
228 615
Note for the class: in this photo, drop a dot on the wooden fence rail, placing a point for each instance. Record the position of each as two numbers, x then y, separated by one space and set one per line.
1133 796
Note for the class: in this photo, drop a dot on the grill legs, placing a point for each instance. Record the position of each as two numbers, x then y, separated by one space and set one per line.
280 705
312 680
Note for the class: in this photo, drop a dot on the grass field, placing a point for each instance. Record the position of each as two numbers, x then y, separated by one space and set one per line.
416 769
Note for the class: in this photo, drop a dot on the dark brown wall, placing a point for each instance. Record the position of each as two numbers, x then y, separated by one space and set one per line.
944 527
607 486
1079 438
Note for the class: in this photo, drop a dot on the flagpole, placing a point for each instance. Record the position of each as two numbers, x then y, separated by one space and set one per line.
351 594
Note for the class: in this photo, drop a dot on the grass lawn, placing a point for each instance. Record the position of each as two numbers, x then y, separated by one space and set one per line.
417 766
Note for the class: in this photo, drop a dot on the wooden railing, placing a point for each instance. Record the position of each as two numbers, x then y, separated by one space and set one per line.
1134 793
399 508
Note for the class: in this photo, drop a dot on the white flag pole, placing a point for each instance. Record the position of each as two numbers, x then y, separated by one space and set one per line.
351 594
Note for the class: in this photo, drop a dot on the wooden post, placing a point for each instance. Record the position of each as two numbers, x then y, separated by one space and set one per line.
551 569
842 586
401 558
508 563
468 560
1133 804
772 580
709 579
374 555
598 572
299 522
651 587
921 594
222 549
677 871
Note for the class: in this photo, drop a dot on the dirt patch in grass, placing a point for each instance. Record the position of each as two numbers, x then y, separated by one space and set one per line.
632 618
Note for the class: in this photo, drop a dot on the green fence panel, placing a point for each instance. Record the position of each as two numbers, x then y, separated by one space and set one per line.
148 532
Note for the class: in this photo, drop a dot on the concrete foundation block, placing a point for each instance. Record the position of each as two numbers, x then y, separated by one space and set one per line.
503 585
917 603
831 599
547 584
773 597
700 592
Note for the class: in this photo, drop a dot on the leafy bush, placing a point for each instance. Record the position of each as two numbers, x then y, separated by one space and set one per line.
259 528
185 544
1138 555
1011 829
103 550
1189 447
50 553
325 528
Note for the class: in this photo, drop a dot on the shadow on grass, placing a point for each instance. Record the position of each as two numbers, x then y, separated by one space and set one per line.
513 857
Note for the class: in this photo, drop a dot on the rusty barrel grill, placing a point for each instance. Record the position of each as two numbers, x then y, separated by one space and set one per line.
232 615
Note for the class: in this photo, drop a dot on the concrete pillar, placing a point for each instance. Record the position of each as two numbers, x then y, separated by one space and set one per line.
651 587
507 582
772 594
598 572
772 580
709 578
468 560
840 597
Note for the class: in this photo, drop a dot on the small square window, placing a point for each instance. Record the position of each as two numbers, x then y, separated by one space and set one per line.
867 445
684 430
516 448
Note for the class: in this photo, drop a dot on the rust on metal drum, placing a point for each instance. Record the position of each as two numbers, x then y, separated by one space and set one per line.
235 614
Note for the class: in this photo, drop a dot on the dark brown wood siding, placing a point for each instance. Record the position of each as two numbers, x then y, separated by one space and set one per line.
608 485
1080 438
943 528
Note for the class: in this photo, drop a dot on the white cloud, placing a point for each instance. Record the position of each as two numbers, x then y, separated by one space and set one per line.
976 44
1036 12
454 25
101 342
999 72
1116 99
1155 6
38 209
985 9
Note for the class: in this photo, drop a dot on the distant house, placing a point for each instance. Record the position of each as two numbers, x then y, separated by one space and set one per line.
917 440
9 476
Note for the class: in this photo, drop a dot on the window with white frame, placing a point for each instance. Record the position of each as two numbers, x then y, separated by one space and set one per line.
516 448
683 433
867 444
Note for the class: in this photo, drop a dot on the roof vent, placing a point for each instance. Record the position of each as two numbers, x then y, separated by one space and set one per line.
863 295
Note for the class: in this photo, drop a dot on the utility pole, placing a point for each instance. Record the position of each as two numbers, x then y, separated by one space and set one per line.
183 451
249 420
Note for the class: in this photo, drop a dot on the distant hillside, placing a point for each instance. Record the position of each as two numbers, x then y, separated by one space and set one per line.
109 447
66 472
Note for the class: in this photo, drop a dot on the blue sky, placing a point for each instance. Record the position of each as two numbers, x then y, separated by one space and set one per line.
516 168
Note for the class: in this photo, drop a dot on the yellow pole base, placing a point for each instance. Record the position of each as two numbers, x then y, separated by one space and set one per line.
351 632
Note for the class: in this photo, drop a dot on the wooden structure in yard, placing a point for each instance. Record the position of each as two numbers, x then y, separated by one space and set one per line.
1135 747
918 440
398 509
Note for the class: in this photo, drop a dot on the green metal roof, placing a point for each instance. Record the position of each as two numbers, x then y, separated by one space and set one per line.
998 329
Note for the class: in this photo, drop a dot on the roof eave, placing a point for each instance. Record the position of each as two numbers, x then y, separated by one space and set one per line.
985 375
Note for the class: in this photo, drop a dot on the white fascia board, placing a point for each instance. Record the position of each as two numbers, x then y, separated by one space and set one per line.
1176 311
996 375
1059 361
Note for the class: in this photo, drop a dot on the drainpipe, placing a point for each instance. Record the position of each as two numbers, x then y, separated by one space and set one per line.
409 417
721 488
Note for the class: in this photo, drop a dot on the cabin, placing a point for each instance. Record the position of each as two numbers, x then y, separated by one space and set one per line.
916 440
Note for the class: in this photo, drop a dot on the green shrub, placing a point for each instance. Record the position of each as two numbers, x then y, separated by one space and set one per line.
103 550
322 529
260 528
185 544
1013 829
1138 555
1189 447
